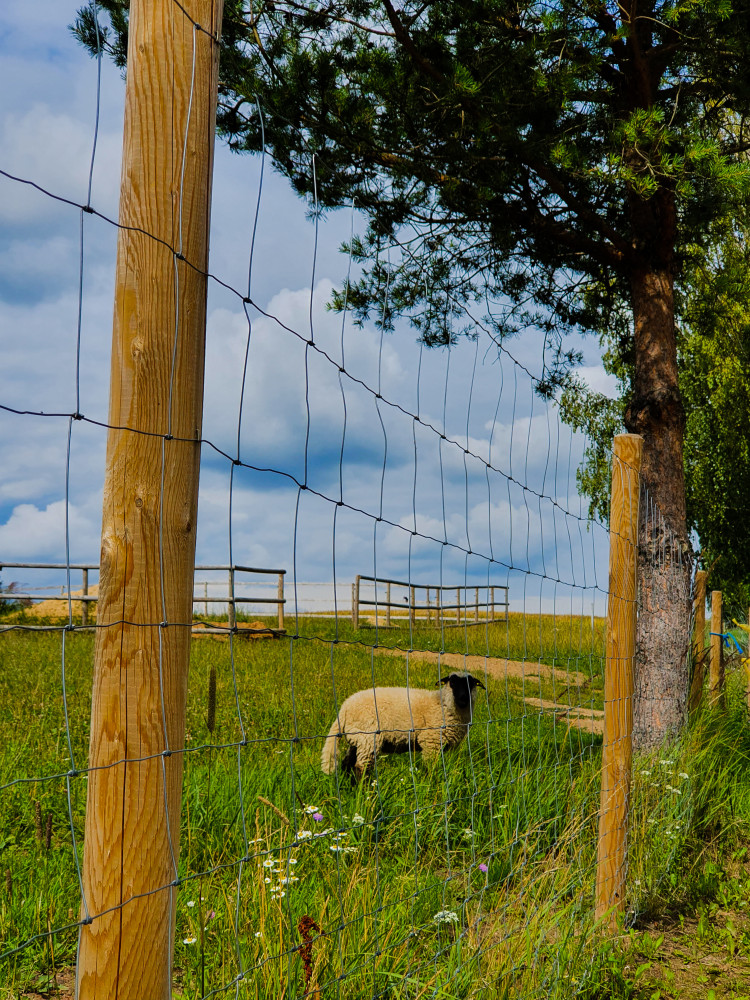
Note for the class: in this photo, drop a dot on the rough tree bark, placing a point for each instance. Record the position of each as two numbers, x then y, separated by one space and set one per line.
656 413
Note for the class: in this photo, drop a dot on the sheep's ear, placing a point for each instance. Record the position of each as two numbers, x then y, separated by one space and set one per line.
444 680
475 682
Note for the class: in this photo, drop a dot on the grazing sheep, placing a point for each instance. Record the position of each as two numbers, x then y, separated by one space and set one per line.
394 720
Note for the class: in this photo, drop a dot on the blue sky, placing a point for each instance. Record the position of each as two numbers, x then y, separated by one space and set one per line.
482 402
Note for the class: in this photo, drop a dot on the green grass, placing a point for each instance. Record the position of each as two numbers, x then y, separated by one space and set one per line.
520 797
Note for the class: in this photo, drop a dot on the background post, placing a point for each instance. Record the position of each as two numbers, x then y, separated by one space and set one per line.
231 606
84 603
618 680
699 640
355 602
145 609
716 678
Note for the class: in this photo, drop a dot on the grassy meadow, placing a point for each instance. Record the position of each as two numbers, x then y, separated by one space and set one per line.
472 876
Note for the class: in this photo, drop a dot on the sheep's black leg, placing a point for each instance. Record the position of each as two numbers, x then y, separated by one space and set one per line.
349 760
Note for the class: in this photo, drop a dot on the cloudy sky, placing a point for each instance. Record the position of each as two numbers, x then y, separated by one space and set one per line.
498 488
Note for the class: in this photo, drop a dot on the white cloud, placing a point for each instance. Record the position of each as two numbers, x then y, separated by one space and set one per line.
599 381
53 149
32 532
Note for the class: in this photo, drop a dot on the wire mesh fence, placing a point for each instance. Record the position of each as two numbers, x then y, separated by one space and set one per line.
370 805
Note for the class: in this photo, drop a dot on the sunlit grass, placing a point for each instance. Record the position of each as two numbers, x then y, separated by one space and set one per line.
501 834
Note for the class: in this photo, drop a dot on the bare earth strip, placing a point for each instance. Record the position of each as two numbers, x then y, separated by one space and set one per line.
590 720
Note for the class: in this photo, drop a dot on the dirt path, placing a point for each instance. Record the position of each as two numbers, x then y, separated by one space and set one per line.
589 720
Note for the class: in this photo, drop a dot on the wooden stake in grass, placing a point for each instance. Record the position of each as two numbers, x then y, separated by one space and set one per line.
38 822
699 640
150 503
716 676
211 700
618 680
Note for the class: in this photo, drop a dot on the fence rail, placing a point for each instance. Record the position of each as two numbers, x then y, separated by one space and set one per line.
434 610
85 598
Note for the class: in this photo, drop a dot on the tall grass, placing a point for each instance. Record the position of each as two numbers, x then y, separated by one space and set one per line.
474 873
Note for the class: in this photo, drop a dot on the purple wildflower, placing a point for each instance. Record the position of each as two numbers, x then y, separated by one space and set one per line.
318 817
483 867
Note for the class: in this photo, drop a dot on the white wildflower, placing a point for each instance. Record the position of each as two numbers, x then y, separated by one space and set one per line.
259 934
191 940
446 917
191 902
269 863
304 834
357 819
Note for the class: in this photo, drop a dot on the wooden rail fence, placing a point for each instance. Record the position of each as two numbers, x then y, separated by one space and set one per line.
433 610
232 599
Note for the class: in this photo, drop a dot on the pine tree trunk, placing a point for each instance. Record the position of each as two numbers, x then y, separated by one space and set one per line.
664 568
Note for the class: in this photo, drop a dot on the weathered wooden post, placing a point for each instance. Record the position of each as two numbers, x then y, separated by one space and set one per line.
412 606
716 675
84 595
132 828
280 596
618 681
231 607
355 602
388 604
699 641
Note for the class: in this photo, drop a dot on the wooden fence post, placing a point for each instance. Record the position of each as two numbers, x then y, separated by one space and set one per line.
618 680
699 641
355 602
412 606
280 595
132 826
231 606
716 677
85 593
388 604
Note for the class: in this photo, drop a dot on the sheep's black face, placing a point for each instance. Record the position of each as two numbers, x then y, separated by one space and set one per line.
462 686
